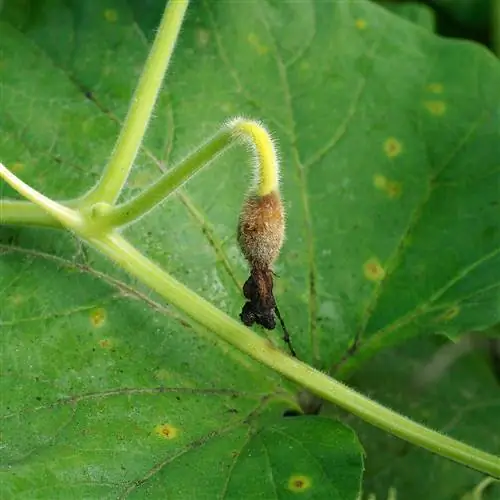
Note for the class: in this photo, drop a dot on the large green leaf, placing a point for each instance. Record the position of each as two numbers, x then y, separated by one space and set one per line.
389 141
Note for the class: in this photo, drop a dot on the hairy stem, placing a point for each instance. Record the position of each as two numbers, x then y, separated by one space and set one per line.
26 213
267 166
64 215
132 210
123 156
254 133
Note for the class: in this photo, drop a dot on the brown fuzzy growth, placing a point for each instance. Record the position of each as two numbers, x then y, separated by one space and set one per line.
261 229
260 235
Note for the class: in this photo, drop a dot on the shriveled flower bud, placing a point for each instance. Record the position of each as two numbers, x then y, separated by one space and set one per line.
261 227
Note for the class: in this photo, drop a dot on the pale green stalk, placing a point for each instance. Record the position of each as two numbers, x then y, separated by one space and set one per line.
125 151
168 182
66 216
266 175
25 213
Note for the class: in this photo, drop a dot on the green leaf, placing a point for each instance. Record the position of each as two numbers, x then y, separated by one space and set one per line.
452 390
280 460
103 396
389 143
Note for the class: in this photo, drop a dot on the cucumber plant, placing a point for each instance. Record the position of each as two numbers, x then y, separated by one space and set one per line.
392 231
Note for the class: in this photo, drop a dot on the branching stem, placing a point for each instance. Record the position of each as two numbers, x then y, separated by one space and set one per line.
253 132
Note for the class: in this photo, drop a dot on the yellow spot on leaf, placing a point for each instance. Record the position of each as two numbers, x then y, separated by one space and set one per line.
305 66
162 374
142 179
392 147
16 167
373 270
450 313
298 484
98 317
166 431
16 299
203 37
111 15
360 24
393 189
106 343
380 181
255 42
435 88
437 108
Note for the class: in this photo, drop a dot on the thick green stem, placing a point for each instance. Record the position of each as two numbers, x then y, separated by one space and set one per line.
254 133
25 213
125 255
153 195
123 156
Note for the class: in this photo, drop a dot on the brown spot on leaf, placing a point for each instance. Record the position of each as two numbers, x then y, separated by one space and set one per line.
166 431
373 270
392 147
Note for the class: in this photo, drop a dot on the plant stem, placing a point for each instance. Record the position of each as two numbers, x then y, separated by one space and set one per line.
123 156
266 164
253 132
26 213
171 180
120 251
65 215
